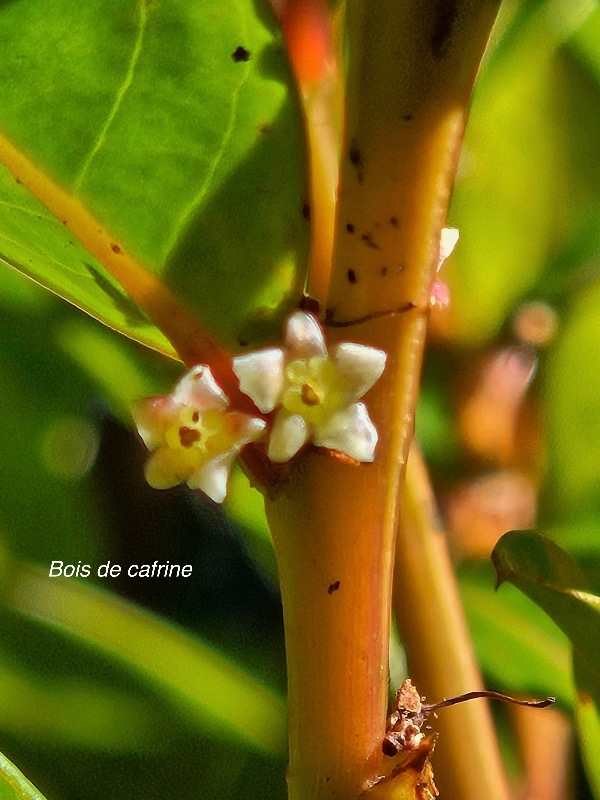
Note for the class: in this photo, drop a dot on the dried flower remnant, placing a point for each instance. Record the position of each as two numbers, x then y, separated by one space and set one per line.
313 390
405 722
409 713
439 293
193 436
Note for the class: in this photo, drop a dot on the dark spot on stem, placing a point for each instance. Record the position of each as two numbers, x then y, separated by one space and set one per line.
240 54
306 210
368 239
352 277
333 587
384 271
266 128
350 227
356 159
407 117
115 248
394 222
445 19
355 155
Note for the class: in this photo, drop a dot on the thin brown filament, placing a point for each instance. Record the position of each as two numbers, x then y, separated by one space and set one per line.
462 698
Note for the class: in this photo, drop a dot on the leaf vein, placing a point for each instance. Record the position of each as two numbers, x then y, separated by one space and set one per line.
119 97
216 161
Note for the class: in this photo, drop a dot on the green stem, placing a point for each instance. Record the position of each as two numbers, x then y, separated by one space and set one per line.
411 67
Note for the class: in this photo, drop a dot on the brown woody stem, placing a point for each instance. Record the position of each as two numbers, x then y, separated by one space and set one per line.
411 69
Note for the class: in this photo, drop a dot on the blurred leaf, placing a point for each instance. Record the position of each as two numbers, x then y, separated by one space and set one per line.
572 394
246 506
505 197
195 678
49 440
175 125
520 650
74 697
546 574
101 356
587 718
585 41
14 785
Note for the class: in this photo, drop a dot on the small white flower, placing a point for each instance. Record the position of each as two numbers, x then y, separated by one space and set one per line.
439 293
448 240
194 438
314 391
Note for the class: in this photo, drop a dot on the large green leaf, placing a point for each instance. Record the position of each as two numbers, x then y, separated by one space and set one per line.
175 125
14 785
550 577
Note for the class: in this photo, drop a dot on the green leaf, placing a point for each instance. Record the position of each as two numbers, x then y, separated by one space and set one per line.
176 126
14 785
548 575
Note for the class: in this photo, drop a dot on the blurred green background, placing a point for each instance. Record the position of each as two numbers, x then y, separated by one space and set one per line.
99 698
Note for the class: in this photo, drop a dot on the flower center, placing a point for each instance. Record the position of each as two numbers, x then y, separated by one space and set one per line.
310 395
312 389
188 436
199 434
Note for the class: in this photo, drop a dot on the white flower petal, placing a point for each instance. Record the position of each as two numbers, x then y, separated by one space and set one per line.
304 336
261 376
448 240
350 431
359 366
248 429
164 469
151 416
199 388
212 477
289 433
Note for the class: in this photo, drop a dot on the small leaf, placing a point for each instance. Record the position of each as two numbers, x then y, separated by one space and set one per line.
550 577
14 785
530 560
